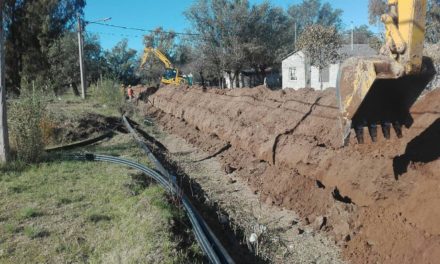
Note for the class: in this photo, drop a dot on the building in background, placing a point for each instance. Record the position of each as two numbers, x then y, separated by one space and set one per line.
298 73
249 78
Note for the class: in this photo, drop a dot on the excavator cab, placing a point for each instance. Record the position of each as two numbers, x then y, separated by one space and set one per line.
171 76
379 91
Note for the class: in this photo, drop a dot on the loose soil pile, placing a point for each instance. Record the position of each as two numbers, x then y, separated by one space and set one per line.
84 127
379 201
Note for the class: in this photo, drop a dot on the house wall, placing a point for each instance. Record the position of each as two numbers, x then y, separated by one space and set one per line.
295 61
333 76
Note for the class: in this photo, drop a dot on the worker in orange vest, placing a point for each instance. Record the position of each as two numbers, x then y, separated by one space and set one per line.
130 93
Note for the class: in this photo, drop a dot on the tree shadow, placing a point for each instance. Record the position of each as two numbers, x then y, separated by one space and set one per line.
423 148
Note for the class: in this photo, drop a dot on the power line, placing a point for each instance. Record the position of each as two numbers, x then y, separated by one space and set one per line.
115 34
140 29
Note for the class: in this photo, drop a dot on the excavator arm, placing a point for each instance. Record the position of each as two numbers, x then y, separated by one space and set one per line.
379 91
171 74
405 33
158 54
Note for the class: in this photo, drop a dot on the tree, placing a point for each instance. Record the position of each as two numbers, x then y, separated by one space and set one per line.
320 44
234 35
376 8
32 27
269 37
310 12
64 65
433 21
220 25
363 35
123 63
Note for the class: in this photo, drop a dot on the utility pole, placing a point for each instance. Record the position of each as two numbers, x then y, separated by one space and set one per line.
4 137
296 27
352 36
81 58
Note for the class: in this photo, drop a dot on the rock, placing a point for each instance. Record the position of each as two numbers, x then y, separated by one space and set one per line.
341 230
269 200
229 169
253 238
320 222
222 218
307 221
231 181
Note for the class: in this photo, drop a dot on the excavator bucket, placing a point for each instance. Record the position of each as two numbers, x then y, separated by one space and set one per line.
374 92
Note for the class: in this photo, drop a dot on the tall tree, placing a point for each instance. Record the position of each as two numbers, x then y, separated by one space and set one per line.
64 64
220 25
363 35
123 63
376 8
234 35
32 26
433 21
269 37
310 12
321 45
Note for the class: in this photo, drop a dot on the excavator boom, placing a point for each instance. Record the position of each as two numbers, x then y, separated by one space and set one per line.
379 91
171 74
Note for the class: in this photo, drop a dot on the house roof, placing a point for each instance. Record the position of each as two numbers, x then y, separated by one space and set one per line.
363 50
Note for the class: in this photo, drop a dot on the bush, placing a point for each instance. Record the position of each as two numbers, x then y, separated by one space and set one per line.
111 94
26 136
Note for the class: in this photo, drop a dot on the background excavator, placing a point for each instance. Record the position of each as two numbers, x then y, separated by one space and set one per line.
380 91
171 74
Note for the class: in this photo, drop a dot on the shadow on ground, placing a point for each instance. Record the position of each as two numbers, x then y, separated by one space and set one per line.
423 148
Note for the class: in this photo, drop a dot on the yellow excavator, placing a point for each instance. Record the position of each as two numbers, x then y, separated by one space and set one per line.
171 74
379 91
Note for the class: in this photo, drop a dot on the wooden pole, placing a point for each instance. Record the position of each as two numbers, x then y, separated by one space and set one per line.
81 58
4 137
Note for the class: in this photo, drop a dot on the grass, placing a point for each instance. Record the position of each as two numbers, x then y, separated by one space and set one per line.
89 212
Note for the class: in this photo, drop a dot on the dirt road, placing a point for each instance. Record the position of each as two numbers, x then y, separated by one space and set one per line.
379 201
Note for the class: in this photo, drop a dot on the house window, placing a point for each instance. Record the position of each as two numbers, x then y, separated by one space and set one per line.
292 73
324 74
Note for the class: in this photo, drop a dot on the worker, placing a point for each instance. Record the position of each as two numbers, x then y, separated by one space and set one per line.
130 93
190 79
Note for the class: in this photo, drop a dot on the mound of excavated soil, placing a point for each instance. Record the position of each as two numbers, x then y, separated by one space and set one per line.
381 201
86 126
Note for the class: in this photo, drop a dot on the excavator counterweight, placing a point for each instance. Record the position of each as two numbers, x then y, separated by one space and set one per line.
379 91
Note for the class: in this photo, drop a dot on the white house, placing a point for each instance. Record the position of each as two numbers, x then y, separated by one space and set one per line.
297 72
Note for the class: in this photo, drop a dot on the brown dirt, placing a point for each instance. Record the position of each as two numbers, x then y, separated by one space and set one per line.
86 126
286 145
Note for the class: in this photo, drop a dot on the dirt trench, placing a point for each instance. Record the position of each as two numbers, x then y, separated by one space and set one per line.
379 201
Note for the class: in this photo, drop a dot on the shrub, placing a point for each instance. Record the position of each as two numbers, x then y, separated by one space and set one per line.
26 137
111 94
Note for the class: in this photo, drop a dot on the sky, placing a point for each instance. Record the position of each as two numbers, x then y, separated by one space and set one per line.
168 14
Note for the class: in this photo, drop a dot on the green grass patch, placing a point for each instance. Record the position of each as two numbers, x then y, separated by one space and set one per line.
30 212
61 211
69 211
35 232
